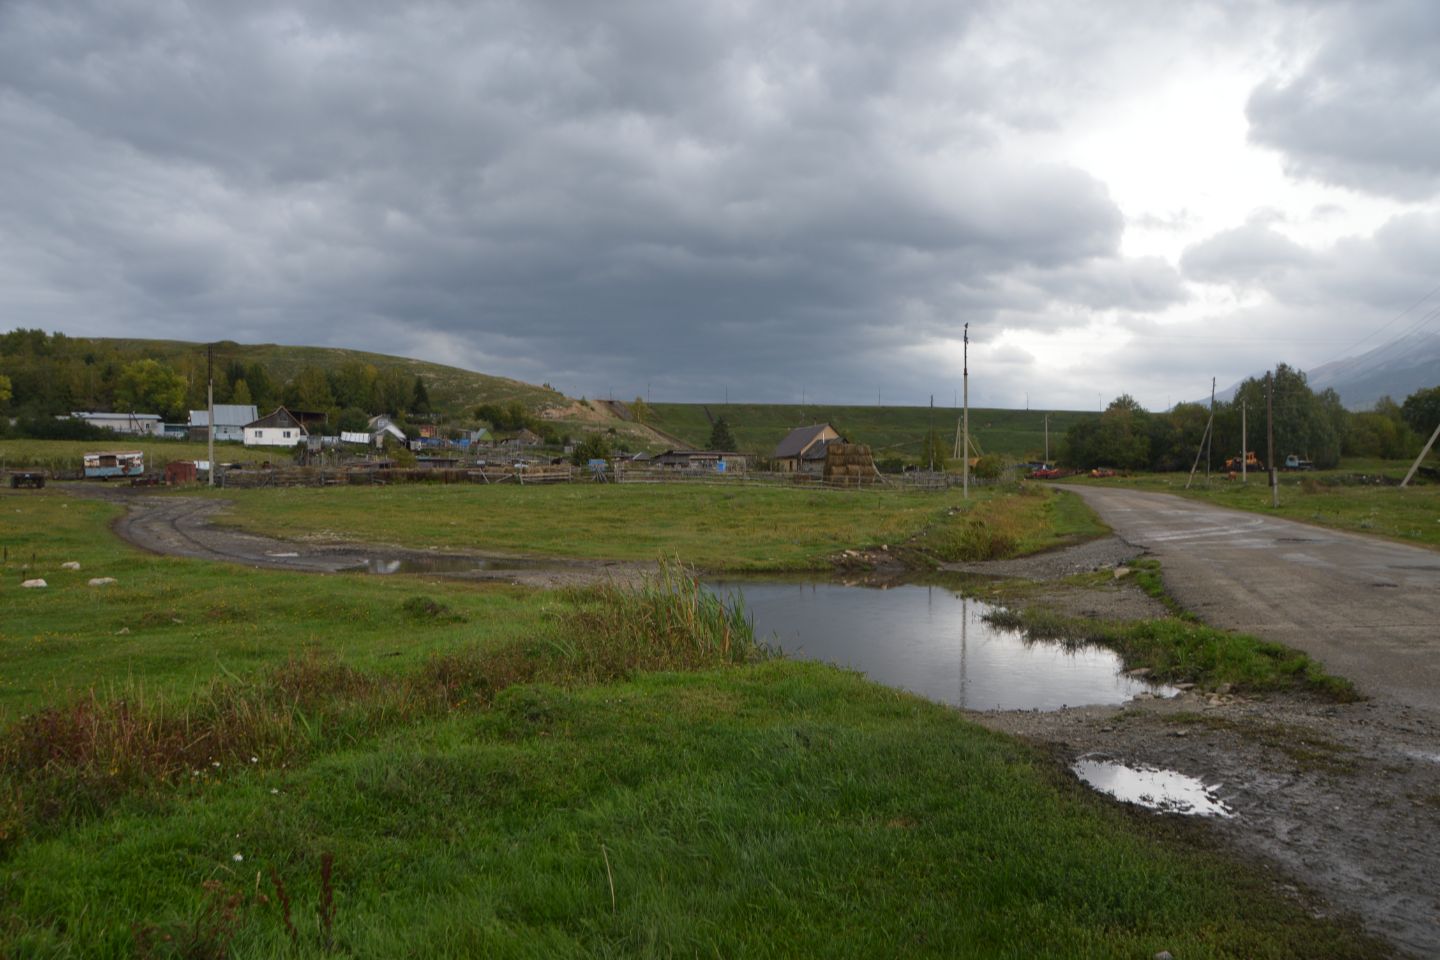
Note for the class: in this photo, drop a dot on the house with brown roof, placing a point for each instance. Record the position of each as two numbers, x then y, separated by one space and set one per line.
278 429
803 449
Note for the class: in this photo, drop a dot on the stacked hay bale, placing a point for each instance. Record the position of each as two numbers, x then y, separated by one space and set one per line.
850 464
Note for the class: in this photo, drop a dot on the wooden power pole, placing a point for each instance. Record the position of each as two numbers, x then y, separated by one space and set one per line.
1270 439
210 413
965 419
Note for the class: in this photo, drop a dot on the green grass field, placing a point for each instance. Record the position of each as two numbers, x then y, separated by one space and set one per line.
206 760
717 528
1339 499
890 431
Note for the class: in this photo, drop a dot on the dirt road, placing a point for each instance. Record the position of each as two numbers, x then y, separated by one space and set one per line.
185 527
1344 798
1368 609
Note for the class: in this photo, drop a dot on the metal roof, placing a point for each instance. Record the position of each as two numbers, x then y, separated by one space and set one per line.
226 415
799 440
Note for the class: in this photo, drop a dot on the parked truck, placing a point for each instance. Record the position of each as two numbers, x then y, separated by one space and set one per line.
1296 462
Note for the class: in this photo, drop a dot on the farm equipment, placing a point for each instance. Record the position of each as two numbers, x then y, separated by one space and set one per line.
1249 462
30 480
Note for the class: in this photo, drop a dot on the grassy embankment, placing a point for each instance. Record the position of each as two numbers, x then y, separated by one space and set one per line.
445 769
890 431
1341 499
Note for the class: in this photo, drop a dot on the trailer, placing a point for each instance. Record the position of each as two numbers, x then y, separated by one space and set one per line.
103 466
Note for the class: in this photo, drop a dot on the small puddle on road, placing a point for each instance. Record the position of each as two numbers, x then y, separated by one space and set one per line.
1165 791
931 641
384 566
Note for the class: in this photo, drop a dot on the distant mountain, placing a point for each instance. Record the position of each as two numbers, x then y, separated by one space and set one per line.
1396 369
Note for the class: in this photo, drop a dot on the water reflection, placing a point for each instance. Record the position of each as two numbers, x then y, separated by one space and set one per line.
1163 790
389 565
930 641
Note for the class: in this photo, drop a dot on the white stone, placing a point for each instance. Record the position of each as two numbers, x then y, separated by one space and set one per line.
70 565
101 581
34 583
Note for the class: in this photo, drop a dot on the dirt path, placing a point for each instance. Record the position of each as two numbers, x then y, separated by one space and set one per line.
1368 609
1343 798
184 527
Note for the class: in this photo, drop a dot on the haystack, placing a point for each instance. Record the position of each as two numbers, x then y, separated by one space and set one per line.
848 464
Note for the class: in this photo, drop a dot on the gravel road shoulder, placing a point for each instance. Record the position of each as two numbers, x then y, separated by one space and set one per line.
1343 798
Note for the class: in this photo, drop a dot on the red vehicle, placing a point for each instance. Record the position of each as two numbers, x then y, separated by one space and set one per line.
1046 473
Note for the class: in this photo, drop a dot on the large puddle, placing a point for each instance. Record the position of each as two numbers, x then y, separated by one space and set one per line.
1164 790
930 641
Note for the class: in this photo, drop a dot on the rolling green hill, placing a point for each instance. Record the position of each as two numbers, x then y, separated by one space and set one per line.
452 390
891 431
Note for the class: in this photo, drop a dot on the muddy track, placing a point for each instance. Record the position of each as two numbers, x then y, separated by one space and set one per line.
1344 798
185 527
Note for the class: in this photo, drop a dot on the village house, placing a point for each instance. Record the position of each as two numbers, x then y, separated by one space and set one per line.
803 449
525 438
230 421
279 429
382 427
134 424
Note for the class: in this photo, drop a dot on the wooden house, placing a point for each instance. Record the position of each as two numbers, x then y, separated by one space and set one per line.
803 449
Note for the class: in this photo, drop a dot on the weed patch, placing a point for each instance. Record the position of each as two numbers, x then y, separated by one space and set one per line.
1177 650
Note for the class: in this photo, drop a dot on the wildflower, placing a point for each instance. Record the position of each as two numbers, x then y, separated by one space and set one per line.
274 790
238 857
254 759
214 763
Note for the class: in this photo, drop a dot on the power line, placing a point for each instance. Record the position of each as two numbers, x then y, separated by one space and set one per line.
1386 325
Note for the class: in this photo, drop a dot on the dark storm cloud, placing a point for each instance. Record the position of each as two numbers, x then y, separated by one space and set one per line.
698 193
1364 111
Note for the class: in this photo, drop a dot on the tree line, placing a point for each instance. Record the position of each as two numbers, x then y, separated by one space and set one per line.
1315 426
45 375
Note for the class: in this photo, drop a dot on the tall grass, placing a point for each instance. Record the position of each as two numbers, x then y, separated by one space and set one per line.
72 761
669 621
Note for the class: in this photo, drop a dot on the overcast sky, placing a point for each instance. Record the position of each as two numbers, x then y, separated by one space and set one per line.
707 197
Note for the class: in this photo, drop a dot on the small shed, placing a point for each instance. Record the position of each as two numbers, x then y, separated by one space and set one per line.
181 471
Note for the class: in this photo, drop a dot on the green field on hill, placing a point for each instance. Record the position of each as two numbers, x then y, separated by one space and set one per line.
890 431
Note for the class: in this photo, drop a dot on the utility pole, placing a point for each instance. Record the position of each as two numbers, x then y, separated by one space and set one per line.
965 419
1047 439
930 434
1210 443
210 413
1244 445
1270 438
1423 454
